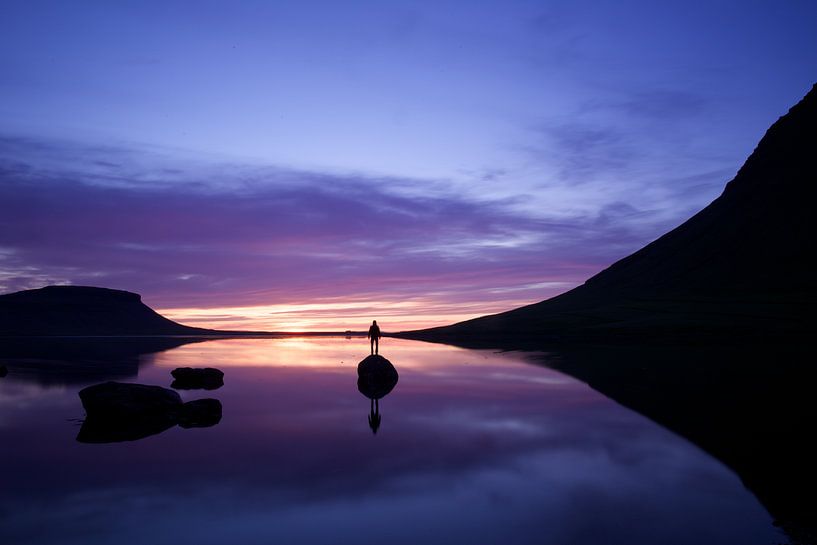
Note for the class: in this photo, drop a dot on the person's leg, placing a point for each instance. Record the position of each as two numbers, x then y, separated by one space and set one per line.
372 345
376 346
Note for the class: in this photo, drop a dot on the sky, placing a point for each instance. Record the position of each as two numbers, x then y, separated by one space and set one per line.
297 166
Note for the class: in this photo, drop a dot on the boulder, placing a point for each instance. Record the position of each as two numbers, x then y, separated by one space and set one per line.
3 371
117 412
114 400
376 377
189 378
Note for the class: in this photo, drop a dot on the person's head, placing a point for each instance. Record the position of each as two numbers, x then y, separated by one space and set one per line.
374 322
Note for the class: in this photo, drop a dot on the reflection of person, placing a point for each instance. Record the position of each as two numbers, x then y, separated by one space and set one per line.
374 415
374 335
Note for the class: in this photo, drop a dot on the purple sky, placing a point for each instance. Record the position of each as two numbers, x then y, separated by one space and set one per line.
317 164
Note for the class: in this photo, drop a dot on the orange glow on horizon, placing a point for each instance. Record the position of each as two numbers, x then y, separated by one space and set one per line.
328 353
393 316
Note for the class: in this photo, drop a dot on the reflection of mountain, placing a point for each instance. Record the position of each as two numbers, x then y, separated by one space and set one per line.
57 360
752 408
737 269
77 310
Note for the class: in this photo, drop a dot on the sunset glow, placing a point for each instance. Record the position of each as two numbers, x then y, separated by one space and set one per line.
333 316
299 166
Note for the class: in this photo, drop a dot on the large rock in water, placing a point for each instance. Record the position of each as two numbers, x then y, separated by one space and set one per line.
376 377
190 378
739 270
81 310
111 400
3 371
117 411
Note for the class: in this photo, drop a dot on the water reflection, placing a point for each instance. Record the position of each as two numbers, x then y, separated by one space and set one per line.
374 415
108 430
376 377
481 448
60 361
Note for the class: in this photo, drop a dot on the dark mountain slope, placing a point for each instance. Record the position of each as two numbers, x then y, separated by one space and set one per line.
79 310
739 269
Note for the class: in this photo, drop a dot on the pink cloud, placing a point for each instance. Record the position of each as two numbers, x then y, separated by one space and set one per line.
281 237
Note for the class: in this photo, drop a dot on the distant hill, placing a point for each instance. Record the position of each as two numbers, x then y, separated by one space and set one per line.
80 310
740 269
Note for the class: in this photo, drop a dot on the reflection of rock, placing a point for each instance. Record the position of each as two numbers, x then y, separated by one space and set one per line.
376 377
188 378
201 413
109 430
127 412
3 371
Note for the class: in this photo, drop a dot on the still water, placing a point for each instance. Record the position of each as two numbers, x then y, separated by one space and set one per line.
473 447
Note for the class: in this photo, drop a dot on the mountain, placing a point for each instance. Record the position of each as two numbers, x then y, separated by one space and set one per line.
740 269
738 272
81 310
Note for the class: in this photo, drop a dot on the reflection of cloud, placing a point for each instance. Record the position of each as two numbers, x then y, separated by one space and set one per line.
190 234
514 446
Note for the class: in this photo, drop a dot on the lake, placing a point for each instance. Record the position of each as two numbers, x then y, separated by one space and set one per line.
473 447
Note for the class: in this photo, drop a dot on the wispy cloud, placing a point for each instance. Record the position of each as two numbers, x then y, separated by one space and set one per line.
202 235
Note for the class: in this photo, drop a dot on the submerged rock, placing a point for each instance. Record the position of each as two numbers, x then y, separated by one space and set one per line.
189 378
376 377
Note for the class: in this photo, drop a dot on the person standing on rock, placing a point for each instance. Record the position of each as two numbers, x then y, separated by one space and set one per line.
374 336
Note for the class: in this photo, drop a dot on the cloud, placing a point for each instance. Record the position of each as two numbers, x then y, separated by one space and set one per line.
228 235
584 150
666 106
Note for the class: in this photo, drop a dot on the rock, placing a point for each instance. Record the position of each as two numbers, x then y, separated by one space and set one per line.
201 413
127 412
3 371
376 377
189 378
114 400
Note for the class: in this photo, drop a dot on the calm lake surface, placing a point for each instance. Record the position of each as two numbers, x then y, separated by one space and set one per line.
473 447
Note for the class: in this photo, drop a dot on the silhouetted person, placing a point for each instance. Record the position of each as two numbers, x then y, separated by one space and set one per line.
374 415
374 335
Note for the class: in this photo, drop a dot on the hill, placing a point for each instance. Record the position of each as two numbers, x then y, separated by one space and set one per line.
737 278
81 310
738 270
